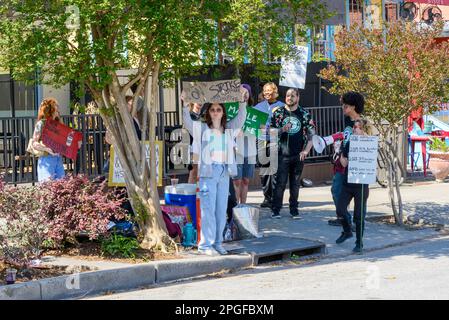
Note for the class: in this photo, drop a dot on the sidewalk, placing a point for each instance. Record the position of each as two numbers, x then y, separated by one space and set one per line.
316 207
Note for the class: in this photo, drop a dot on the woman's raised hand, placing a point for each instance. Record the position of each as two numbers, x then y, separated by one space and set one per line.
245 93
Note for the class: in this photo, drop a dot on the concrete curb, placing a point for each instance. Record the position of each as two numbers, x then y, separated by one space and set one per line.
79 285
174 270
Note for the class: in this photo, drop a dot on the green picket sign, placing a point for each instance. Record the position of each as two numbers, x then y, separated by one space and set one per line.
232 109
254 120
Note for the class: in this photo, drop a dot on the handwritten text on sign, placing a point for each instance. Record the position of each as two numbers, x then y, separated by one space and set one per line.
293 72
61 139
254 120
116 173
213 91
362 159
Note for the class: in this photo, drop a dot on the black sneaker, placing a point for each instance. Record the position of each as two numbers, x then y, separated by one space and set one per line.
344 236
266 204
275 215
358 249
295 215
334 222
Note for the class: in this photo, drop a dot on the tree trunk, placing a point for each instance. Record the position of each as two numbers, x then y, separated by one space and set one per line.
394 179
140 178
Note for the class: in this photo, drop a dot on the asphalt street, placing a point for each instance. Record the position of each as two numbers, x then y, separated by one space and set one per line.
415 271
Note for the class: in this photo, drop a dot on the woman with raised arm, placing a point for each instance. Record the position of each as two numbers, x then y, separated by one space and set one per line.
213 146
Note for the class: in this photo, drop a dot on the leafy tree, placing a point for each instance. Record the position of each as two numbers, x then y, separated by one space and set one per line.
398 70
90 40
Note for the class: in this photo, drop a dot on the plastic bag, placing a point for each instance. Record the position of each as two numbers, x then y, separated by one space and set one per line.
231 232
247 219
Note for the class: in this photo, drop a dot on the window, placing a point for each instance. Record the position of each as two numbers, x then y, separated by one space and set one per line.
391 12
355 12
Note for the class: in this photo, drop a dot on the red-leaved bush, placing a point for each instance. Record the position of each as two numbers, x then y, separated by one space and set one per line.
75 205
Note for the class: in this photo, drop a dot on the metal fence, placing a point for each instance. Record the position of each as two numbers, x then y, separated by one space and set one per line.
19 167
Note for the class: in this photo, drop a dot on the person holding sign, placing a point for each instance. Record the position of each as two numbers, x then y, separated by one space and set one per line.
349 191
49 165
353 105
270 94
294 127
214 148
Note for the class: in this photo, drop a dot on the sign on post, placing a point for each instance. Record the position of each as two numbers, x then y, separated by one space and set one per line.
254 120
362 165
116 176
293 71
213 91
61 139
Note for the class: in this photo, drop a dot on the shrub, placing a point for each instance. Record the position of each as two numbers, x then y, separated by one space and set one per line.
75 205
23 227
119 245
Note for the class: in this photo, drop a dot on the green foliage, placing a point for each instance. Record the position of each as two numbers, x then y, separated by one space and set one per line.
118 245
398 70
439 145
88 41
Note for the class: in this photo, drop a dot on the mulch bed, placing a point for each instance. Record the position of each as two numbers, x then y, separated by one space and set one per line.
389 220
29 274
90 251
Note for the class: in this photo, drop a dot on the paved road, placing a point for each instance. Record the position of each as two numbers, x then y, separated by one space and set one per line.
416 271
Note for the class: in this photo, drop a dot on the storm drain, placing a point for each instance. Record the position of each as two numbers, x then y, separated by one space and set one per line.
275 248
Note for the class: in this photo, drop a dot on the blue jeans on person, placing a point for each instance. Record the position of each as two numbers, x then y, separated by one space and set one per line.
50 168
337 183
214 193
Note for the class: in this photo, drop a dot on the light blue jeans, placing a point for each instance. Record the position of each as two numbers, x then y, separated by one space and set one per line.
214 193
50 168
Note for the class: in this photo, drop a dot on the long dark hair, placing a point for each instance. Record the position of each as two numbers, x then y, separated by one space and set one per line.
209 119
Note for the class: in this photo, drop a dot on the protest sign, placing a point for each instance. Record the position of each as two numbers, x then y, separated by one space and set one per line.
362 159
61 139
116 176
212 91
232 109
254 119
293 71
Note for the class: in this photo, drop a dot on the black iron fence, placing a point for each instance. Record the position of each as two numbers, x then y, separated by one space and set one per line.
20 167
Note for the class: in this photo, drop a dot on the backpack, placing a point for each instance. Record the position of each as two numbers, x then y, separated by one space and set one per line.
173 229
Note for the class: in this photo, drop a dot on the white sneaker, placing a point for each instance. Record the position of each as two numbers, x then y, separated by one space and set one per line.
221 250
208 252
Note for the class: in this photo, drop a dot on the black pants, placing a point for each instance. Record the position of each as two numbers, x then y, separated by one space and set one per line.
360 195
267 187
289 168
232 200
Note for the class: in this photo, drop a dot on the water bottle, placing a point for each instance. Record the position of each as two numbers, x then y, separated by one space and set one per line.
189 235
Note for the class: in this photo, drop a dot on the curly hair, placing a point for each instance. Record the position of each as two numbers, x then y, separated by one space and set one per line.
47 109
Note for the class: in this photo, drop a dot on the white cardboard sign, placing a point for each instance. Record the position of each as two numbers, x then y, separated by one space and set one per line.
213 91
293 71
362 165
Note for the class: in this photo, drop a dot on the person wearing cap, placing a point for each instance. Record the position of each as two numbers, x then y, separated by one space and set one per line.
270 102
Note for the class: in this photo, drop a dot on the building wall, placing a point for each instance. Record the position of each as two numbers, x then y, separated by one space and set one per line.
62 95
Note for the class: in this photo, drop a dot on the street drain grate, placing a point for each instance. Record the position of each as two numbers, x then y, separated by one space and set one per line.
275 248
